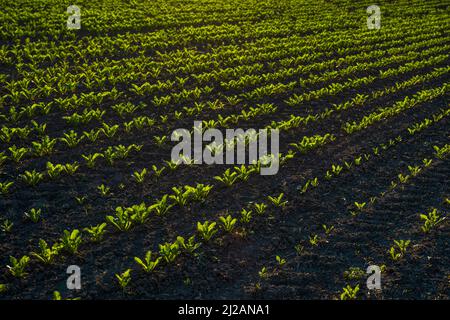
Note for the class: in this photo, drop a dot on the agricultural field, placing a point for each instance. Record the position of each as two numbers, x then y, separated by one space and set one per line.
93 206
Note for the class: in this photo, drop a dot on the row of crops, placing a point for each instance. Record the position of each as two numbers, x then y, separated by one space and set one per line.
86 176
